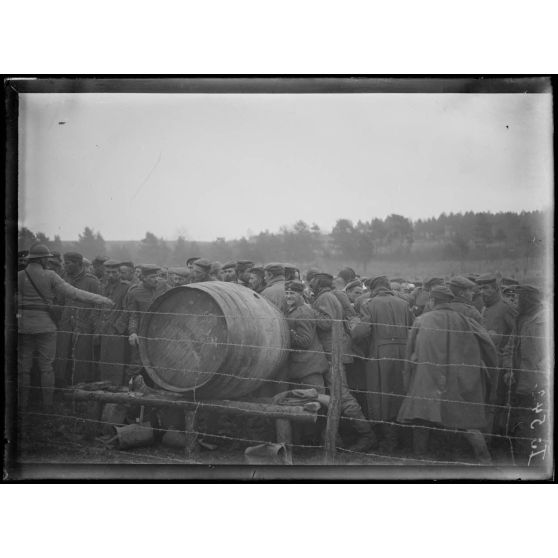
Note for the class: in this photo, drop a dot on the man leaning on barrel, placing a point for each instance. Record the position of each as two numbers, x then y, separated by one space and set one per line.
37 288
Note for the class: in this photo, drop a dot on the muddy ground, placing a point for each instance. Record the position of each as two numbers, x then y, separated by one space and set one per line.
62 436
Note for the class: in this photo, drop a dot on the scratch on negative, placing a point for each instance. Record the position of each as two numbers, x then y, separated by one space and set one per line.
147 177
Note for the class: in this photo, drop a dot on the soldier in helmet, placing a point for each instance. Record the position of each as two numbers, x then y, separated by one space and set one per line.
36 290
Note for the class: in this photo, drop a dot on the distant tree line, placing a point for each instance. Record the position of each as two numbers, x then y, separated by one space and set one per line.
458 236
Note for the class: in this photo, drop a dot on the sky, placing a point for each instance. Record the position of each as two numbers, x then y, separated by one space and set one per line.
230 165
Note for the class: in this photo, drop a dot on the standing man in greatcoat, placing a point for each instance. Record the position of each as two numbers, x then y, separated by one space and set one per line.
498 318
445 375
385 322
139 300
75 354
112 328
37 288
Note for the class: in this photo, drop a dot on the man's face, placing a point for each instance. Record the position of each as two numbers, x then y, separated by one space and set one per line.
467 293
229 275
488 291
72 267
255 281
112 274
126 273
244 276
292 298
354 293
137 272
150 280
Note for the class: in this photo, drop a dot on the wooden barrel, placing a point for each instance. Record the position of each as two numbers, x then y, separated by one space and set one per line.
221 340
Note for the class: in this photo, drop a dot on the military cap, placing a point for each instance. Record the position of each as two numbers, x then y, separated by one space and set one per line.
243 265
441 292
461 282
229 265
86 261
203 264
38 251
486 279
111 263
100 259
294 285
322 274
182 271
275 268
311 272
55 254
347 274
430 281
191 260
127 264
378 281
510 289
149 269
74 257
215 267
290 266
353 284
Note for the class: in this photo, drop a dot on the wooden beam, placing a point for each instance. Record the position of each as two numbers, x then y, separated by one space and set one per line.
271 411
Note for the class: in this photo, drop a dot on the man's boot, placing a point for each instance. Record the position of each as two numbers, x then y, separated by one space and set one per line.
477 441
367 441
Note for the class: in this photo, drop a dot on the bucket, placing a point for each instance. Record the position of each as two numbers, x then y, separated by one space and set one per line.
134 435
267 454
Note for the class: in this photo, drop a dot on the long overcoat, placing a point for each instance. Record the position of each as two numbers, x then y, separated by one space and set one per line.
75 358
112 329
388 318
447 384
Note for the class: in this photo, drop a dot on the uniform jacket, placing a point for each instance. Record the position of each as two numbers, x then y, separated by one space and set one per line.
499 316
465 307
80 316
526 351
275 292
33 314
112 319
308 358
447 382
139 300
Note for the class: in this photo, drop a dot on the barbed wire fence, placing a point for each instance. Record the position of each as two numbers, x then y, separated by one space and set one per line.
329 446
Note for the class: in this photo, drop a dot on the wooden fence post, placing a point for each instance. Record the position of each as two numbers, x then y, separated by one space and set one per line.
334 409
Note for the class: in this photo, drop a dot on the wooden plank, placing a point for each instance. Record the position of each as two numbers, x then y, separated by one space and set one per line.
295 413
334 409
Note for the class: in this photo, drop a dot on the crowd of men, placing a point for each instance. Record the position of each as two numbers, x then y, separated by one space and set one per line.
464 353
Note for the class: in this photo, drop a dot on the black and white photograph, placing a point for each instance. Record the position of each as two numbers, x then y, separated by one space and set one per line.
290 277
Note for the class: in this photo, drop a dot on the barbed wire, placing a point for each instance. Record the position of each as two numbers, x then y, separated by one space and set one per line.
201 403
124 311
287 381
187 341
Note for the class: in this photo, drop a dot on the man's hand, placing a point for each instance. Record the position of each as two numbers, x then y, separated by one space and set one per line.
133 339
106 302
